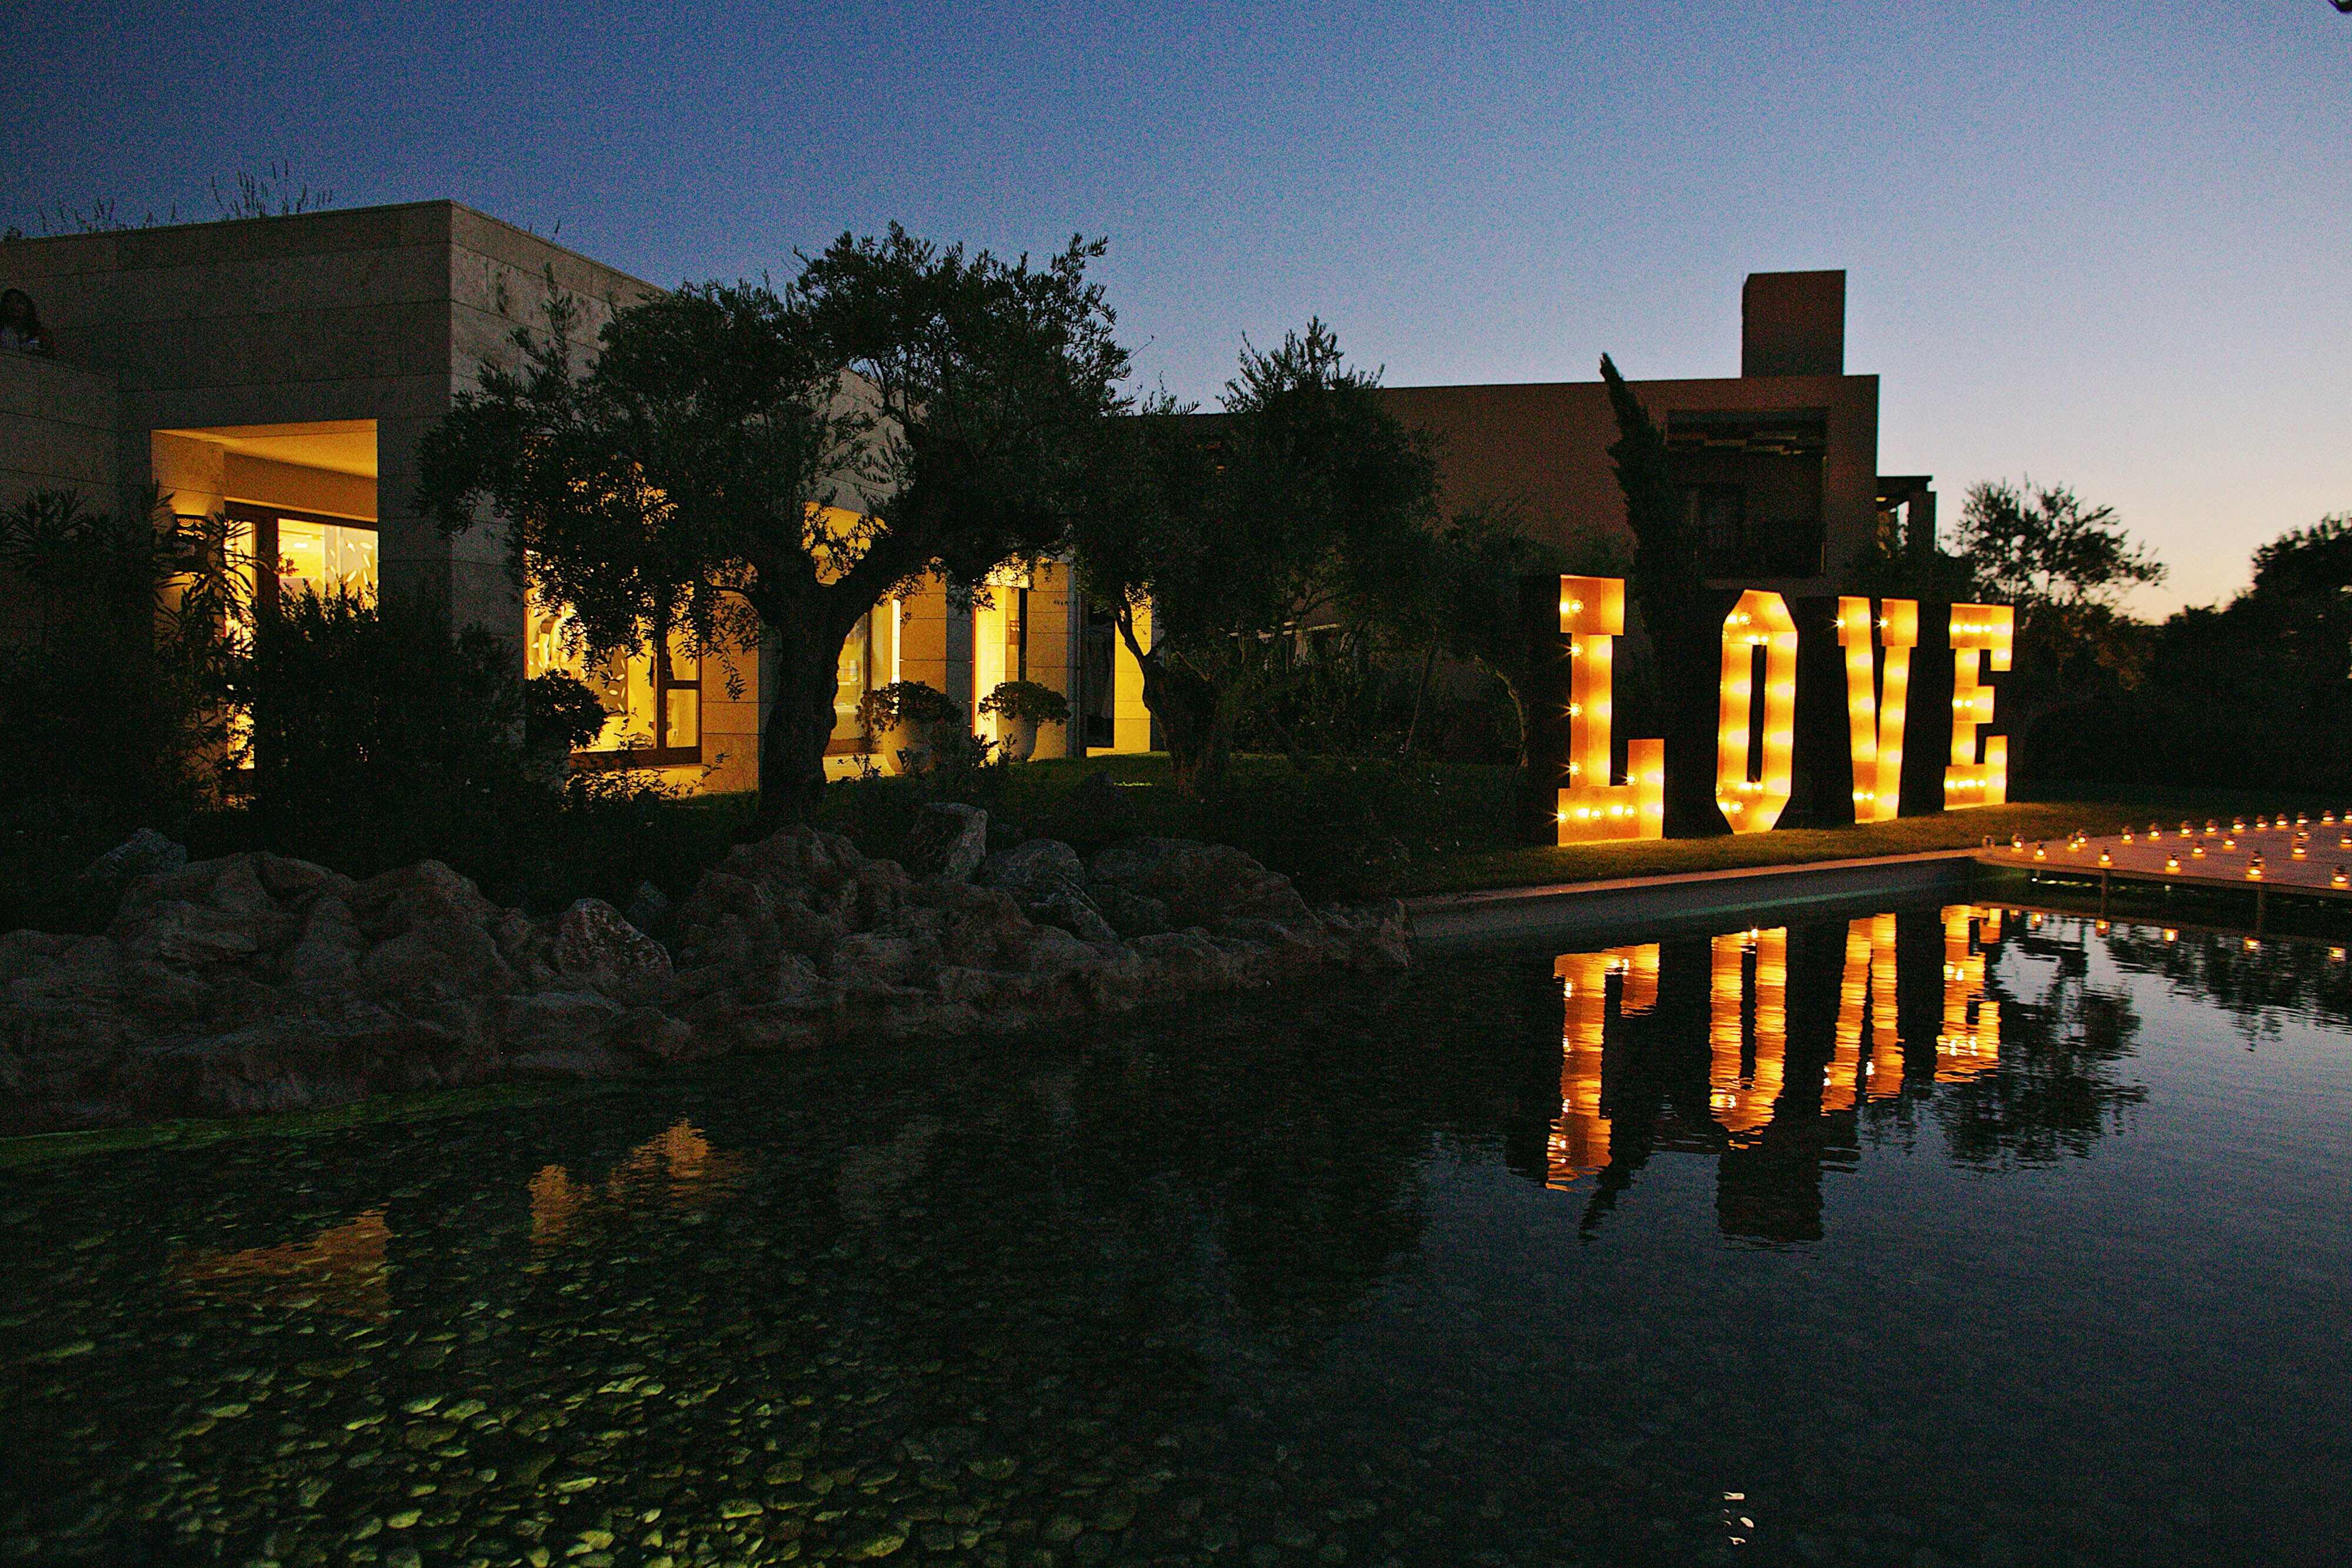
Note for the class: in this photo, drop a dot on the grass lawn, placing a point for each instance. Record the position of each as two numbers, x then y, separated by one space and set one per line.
1456 820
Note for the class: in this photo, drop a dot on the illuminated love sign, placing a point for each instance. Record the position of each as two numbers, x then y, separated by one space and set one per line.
1817 690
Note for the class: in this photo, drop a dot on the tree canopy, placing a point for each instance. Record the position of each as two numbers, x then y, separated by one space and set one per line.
2065 565
1669 586
740 462
1303 504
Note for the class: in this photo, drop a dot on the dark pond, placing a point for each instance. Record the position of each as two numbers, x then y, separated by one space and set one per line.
1937 1238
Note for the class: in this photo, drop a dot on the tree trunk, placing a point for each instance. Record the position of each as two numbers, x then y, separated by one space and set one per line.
1199 733
1420 693
1187 707
800 717
1518 708
1689 676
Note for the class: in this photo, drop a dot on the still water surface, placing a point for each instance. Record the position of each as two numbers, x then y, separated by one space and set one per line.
1943 1237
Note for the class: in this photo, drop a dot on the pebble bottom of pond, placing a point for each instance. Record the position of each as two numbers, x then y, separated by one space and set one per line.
1950 1236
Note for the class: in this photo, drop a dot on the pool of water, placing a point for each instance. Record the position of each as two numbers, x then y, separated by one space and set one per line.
1941 1236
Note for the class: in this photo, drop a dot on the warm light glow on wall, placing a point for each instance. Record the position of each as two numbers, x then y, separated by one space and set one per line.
1580 1138
1874 703
1592 810
1969 1045
1760 620
1977 629
1866 1022
1744 1078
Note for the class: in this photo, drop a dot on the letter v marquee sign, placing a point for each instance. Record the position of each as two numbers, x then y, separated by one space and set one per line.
1875 702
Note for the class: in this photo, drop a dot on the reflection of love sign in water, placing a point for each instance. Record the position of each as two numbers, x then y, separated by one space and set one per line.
1761 1087
1767 690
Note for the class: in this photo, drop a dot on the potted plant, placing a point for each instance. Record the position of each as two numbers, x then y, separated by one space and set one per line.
1020 707
904 719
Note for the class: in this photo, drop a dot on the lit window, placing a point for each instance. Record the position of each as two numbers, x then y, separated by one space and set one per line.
652 707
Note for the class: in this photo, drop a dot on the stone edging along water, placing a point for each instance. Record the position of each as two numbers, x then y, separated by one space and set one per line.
1571 910
255 983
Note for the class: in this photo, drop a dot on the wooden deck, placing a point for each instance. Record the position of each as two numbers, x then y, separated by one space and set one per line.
2233 858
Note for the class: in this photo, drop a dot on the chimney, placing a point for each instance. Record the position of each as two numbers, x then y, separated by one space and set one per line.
1793 324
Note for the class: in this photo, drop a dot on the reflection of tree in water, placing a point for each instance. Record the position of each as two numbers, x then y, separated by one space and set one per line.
2055 1093
1269 1171
975 1267
2254 981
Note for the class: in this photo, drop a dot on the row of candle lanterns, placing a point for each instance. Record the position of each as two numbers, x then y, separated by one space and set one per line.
2299 849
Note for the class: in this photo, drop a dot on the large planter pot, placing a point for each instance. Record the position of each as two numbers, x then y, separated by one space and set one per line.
903 747
1018 736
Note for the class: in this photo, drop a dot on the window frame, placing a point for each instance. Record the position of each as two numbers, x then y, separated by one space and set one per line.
660 681
264 520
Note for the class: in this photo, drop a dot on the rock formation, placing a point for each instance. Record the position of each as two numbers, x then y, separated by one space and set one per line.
257 983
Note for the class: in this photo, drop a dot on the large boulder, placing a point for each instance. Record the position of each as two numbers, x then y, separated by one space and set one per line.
143 855
948 840
1041 865
1048 880
1200 885
1374 935
1130 915
595 946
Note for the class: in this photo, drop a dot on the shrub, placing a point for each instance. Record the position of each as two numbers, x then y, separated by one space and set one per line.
560 715
904 702
1027 700
132 630
379 736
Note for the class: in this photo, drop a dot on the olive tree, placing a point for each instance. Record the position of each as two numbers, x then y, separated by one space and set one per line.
739 463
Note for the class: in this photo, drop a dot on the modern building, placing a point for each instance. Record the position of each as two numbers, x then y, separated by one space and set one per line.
1779 466
283 371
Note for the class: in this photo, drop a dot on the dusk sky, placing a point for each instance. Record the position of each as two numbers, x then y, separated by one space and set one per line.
2103 244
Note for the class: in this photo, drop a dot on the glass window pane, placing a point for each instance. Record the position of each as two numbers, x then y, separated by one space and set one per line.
683 720
351 559
302 558
849 680
638 701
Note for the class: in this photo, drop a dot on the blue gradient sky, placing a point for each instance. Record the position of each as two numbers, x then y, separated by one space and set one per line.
2099 243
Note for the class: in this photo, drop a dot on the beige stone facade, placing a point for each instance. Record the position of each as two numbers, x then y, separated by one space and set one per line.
284 370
